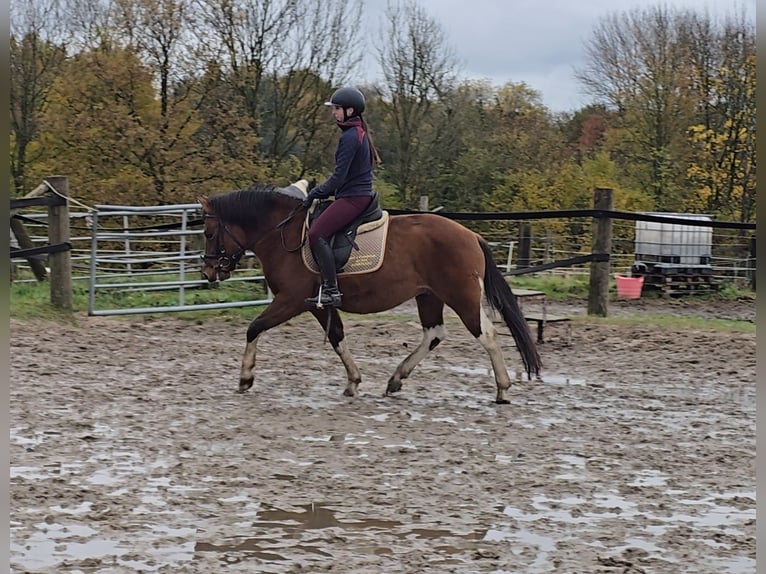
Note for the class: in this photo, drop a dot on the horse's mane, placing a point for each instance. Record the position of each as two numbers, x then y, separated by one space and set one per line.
248 206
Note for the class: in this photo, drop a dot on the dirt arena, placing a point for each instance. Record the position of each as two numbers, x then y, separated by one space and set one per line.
131 451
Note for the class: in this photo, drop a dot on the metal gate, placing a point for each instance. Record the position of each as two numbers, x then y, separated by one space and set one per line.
146 249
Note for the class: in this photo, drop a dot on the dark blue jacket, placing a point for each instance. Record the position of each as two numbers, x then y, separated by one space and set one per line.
353 164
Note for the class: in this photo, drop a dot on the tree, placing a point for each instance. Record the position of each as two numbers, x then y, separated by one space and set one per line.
98 129
37 51
284 58
723 136
418 73
636 64
143 114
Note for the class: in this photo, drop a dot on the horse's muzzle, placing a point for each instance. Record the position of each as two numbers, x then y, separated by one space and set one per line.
213 274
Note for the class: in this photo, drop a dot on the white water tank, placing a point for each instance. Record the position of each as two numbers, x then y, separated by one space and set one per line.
674 243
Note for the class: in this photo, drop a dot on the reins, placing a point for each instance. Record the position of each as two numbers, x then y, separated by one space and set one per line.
281 227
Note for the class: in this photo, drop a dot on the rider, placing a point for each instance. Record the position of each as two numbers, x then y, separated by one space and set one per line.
350 183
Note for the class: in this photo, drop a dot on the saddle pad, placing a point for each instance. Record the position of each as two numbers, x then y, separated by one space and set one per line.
371 239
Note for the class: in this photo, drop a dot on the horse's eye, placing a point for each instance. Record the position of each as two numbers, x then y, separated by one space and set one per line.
208 235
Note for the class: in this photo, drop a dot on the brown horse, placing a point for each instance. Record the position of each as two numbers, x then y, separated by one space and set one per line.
427 257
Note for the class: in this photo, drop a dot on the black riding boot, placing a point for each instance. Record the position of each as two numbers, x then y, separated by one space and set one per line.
328 294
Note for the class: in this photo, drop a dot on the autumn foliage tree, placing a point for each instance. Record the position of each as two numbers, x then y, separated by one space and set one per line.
158 101
36 56
681 87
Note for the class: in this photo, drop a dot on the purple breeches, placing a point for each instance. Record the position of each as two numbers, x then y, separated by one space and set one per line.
341 212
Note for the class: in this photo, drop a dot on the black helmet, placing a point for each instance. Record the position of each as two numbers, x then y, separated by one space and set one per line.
347 98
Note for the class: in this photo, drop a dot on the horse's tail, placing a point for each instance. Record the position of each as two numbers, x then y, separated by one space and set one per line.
501 298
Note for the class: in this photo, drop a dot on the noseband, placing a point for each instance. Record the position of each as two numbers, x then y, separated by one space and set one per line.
225 262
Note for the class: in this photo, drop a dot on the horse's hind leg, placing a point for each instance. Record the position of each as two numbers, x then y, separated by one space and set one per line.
431 313
488 339
477 321
337 339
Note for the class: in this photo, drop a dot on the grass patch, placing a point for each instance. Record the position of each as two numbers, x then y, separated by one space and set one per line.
675 322
577 286
554 286
30 301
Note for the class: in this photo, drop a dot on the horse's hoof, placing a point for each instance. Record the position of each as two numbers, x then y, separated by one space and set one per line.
502 402
244 385
348 392
393 387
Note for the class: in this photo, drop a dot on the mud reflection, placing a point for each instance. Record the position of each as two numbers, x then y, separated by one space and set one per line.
275 524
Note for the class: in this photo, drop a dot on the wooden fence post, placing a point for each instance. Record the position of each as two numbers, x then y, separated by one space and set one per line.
598 293
525 246
58 232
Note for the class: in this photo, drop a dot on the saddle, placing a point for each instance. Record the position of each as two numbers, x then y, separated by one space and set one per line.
359 247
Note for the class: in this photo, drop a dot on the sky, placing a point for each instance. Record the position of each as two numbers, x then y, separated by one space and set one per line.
538 42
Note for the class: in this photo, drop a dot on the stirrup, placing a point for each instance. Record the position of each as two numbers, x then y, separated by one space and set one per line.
330 296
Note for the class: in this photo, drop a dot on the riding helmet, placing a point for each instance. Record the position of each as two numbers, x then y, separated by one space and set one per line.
347 98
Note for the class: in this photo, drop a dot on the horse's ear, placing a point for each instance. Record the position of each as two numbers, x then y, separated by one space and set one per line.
205 203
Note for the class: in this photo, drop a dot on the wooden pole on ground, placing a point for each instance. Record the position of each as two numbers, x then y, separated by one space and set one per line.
598 293
58 232
22 238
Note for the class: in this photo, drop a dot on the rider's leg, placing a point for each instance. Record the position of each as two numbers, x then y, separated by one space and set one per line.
328 294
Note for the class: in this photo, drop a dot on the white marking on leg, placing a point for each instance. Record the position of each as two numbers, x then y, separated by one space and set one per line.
411 361
352 371
488 340
248 360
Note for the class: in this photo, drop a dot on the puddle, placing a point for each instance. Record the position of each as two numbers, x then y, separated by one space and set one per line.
315 516
712 516
550 378
52 544
325 438
545 544
43 551
277 535
649 478
276 525
475 371
561 380
380 418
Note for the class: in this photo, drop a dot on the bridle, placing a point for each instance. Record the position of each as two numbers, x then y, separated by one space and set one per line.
228 263
225 262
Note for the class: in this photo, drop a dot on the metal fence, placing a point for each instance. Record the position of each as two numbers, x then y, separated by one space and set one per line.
162 252
120 251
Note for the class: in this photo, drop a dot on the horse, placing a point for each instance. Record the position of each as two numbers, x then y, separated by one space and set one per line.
428 257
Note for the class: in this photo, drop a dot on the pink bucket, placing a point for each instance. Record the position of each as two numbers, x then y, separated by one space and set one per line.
629 287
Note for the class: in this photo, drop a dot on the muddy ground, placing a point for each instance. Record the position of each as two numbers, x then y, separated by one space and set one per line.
131 451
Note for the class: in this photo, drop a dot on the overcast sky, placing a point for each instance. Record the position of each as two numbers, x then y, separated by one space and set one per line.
538 42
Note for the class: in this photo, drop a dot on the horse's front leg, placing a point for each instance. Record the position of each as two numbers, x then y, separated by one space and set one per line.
280 310
337 339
